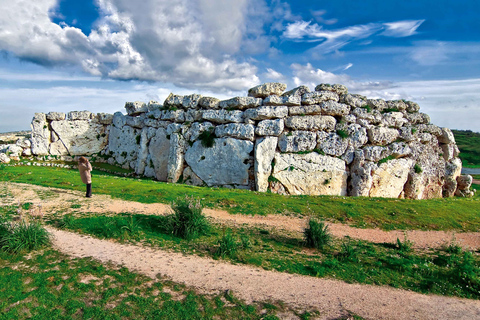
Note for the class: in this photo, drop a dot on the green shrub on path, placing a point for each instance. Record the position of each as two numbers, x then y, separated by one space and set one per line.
188 221
316 234
23 237
227 245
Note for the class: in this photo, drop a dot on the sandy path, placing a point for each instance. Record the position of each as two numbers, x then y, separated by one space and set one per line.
61 200
332 298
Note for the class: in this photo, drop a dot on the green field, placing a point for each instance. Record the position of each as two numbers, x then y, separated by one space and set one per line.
469 144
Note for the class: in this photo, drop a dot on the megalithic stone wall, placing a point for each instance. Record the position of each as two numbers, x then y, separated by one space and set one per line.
325 142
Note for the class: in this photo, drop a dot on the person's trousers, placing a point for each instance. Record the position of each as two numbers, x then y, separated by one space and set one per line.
89 190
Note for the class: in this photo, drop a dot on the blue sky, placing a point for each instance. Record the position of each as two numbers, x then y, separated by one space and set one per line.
64 55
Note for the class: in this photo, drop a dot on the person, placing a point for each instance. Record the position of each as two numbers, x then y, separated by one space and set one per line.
85 168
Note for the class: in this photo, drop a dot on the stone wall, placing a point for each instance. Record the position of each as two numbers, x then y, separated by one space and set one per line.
324 142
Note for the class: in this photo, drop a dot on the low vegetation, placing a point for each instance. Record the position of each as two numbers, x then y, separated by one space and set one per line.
469 144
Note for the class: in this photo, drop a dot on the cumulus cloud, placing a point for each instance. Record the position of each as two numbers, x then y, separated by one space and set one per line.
333 40
274 75
190 43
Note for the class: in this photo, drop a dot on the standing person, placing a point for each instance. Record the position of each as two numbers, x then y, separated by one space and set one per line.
85 168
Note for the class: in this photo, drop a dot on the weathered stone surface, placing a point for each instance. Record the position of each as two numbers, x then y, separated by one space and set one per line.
267 89
266 112
337 88
361 175
173 115
223 116
240 103
24 143
407 133
191 101
158 150
270 127
396 105
80 115
264 154
313 109
273 100
136 122
318 97
136 108
236 130
55 116
173 101
453 169
353 100
390 177
412 107
377 104
382 135
399 149
464 182
297 92
334 108
225 163
154 105
291 100
357 135
122 142
4 158
446 136
297 141
449 151
374 153
143 151
394 119
14 150
105 118
196 129
430 128
175 157
190 178
326 123
331 143
208 103
192 115
311 174
78 137
417 118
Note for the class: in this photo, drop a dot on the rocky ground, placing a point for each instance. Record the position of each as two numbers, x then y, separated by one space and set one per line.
331 297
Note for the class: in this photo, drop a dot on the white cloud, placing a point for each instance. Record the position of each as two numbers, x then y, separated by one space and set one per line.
190 43
272 74
404 28
308 75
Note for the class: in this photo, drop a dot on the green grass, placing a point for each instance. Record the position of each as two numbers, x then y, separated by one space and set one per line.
461 214
50 285
450 271
469 144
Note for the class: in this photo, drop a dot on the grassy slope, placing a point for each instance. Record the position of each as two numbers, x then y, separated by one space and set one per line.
437 214
469 144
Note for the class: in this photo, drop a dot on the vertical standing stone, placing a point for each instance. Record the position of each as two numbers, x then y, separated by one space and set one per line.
264 154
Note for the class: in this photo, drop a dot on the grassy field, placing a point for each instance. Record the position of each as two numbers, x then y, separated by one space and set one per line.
469 144
461 214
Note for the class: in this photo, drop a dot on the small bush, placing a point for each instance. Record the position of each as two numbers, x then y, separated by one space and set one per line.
343 134
317 234
188 221
228 245
348 252
67 222
384 160
417 168
208 137
405 246
23 237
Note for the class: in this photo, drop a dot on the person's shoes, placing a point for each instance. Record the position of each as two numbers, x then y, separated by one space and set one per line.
88 196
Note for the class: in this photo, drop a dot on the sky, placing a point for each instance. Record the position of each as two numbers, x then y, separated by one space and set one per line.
68 55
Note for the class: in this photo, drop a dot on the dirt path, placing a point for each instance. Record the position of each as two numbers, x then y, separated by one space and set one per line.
52 200
332 298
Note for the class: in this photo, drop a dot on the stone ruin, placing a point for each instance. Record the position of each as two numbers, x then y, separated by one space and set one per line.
322 142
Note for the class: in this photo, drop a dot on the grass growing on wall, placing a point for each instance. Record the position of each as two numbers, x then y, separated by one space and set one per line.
437 214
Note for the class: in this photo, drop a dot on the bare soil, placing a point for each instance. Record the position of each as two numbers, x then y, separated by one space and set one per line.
332 298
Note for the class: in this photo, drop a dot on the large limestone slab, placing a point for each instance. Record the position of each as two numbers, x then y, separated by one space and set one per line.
175 157
236 130
266 112
40 134
266 89
311 174
226 163
382 135
318 97
264 154
135 108
240 103
79 137
311 123
297 141
158 150
270 127
223 116
389 178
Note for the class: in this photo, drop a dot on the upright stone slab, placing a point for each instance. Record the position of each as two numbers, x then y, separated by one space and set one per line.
264 154
390 177
159 149
175 157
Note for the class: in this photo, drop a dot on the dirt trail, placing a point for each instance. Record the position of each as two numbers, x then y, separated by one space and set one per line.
53 200
331 297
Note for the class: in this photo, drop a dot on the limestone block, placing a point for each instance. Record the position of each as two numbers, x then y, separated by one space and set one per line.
334 108
382 135
311 174
190 178
353 100
273 100
464 182
415 186
270 127
425 137
158 151
175 157
357 135
55 116
135 108
136 122
318 97
240 103
264 154
374 153
267 89
24 143
291 100
348 155
430 128
4 158
313 109
446 136
407 133
173 115
398 105
326 123
154 105
297 92
143 150
337 88
361 178
377 104
297 141
40 146
122 144
417 118
453 169
448 151
331 143
208 103
236 130
389 178
27 152
412 107
394 119
226 163
223 116
79 137
79 115
191 101
196 129
105 118
173 101
266 112
192 115
399 149
14 150
174 128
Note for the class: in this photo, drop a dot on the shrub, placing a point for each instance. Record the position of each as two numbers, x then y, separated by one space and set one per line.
384 160
417 168
67 222
348 252
228 245
343 134
208 137
317 234
188 221
405 246
24 237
